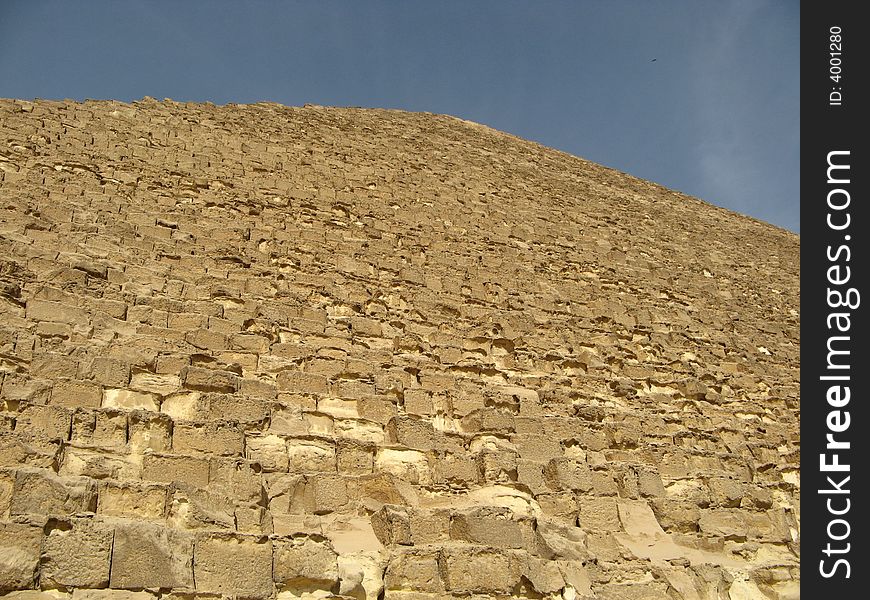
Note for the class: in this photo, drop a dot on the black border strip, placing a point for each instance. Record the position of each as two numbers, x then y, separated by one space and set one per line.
834 266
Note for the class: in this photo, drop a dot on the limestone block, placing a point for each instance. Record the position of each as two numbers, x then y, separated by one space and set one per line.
235 478
19 556
491 526
160 384
209 380
456 470
353 458
132 500
409 465
338 407
76 554
97 463
42 310
83 594
567 474
599 513
184 406
53 422
412 433
151 556
148 431
360 430
480 570
39 491
536 447
194 508
7 483
414 570
205 339
302 383
166 468
130 400
234 565
306 456
73 394
270 451
361 575
378 410
325 493
305 563
214 438
392 525
430 526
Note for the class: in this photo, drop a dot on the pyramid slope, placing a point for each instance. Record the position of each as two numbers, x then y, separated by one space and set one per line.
264 351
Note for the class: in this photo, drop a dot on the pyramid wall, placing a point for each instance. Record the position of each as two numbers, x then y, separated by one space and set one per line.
258 351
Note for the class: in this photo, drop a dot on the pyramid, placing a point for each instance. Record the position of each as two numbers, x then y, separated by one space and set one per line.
260 352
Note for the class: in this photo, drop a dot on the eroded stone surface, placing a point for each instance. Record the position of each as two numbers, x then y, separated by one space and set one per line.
272 352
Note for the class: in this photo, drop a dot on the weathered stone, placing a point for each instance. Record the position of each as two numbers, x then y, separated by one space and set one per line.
19 556
76 554
234 565
151 556
305 563
44 493
260 324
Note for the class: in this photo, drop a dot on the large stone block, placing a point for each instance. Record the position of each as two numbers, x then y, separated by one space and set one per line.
166 468
151 556
492 526
132 500
74 394
415 570
269 451
19 556
234 565
76 554
480 570
305 563
44 493
215 439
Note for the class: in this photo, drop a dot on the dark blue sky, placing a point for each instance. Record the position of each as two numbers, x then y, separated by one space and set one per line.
716 115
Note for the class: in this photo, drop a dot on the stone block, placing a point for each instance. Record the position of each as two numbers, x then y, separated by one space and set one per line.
237 566
132 501
151 556
325 493
305 563
392 525
270 451
300 382
416 434
213 438
41 492
409 465
153 383
130 400
599 513
209 380
73 394
76 554
416 570
110 372
167 468
308 456
491 526
19 556
53 422
475 570
353 458
148 431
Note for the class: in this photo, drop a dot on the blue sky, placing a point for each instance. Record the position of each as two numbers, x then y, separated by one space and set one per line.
716 115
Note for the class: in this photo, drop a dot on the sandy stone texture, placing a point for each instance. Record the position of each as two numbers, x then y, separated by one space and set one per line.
265 352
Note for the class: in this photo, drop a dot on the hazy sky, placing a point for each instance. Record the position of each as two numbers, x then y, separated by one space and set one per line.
715 115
